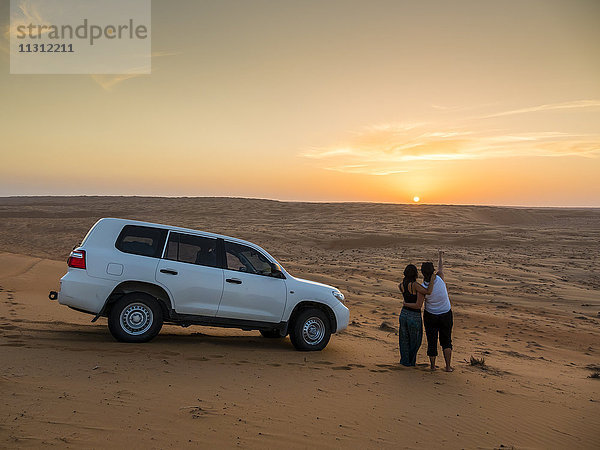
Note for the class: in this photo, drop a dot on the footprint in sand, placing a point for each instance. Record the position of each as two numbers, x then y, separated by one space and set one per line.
342 368
14 344
198 412
388 367
12 336
197 358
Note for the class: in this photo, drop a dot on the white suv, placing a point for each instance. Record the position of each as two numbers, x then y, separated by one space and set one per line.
141 274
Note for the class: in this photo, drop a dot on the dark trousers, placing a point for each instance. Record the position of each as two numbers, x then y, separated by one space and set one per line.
410 336
438 325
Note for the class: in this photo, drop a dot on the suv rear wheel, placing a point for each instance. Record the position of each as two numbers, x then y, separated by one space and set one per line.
135 317
311 330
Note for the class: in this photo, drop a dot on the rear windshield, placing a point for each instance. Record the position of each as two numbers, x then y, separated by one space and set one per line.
144 241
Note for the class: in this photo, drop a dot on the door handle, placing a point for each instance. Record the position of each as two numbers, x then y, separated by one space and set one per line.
234 280
168 271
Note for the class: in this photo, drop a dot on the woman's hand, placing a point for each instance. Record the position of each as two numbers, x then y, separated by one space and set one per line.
425 291
412 305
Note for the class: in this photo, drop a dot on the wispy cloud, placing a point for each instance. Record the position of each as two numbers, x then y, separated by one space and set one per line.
548 107
317 153
387 148
364 169
26 13
108 82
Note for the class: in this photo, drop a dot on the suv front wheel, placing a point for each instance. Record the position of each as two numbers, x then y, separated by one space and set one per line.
311 330
135 317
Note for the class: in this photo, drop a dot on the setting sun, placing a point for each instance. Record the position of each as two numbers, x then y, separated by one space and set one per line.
416 199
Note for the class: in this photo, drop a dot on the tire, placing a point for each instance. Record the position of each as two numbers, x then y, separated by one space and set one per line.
311 330
135 317
271 334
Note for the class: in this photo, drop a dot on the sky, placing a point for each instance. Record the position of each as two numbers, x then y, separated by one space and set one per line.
462 102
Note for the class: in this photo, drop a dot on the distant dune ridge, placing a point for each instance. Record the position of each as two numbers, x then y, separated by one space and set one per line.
525 288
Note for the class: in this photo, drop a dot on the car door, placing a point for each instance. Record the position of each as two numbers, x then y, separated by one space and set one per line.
190 270
249 291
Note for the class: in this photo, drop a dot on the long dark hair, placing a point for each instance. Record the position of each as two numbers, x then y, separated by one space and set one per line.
410 275
427 270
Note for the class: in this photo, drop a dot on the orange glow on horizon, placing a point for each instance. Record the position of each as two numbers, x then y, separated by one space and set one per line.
467 122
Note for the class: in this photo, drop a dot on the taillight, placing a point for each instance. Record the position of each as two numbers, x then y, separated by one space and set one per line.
77 259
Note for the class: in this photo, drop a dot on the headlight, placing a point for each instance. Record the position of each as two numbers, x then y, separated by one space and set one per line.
338 295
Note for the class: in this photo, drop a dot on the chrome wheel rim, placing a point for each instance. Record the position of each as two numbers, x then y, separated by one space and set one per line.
136 319
313 330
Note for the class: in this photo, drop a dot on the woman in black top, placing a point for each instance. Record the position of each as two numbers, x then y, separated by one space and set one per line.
410 333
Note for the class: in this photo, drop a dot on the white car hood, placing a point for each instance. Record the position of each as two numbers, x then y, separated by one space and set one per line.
315 283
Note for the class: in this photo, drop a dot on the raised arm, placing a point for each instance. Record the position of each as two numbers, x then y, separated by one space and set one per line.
440 271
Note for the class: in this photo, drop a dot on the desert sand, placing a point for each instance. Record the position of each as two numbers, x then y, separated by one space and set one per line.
524 284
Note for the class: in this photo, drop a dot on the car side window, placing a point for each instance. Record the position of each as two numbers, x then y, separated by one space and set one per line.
192 249
246 259
140 240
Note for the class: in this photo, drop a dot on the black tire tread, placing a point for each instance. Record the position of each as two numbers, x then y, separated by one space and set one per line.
114 325
296 330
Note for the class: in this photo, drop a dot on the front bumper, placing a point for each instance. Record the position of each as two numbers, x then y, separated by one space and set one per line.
342 316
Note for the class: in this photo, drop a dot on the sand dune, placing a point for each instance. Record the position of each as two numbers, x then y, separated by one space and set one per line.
524 283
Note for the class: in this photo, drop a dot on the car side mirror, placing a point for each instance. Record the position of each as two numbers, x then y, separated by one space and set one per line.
276 271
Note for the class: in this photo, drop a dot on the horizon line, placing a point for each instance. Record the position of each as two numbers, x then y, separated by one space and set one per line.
305 201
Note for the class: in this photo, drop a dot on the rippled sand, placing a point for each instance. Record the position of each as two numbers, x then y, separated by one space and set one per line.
524 283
